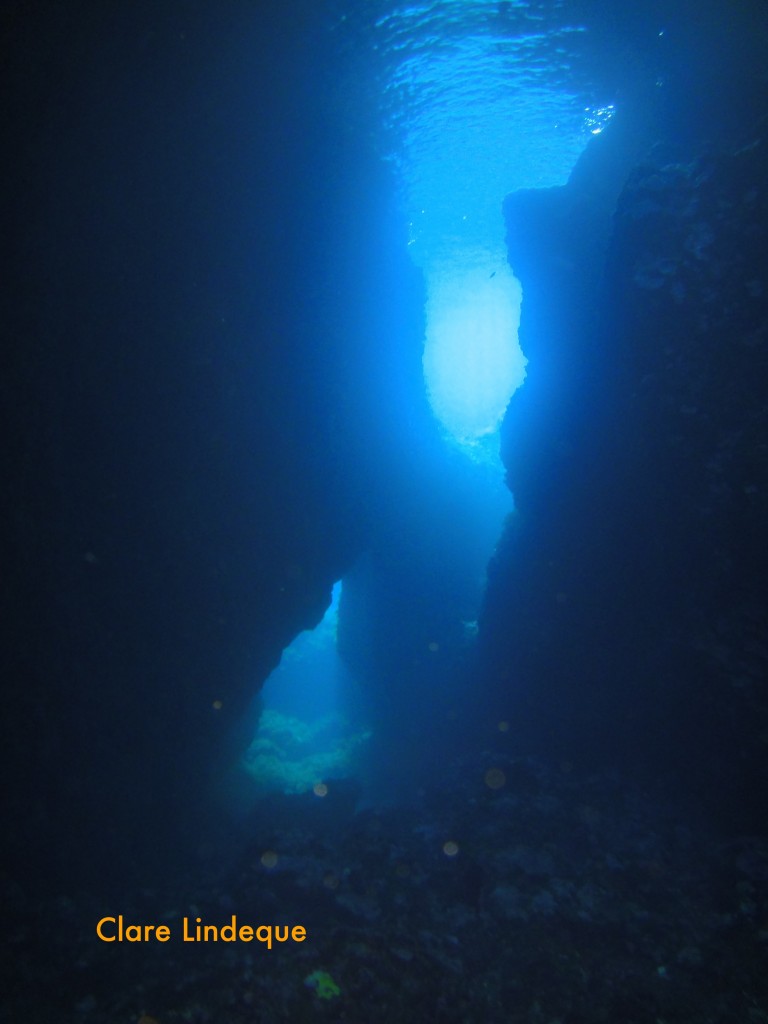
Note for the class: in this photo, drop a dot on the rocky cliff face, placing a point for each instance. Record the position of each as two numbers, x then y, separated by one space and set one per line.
630 585
197 427
687 297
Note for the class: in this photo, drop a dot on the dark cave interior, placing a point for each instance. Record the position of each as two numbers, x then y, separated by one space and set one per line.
198 462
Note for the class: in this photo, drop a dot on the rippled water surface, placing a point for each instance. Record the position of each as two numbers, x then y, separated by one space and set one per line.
481 99
477 99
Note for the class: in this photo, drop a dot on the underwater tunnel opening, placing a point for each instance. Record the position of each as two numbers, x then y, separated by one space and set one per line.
309 723
472 359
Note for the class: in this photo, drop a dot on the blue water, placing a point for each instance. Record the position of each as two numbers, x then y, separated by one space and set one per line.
478 100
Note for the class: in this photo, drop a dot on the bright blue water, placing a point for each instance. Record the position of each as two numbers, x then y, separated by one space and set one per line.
479 100
305 733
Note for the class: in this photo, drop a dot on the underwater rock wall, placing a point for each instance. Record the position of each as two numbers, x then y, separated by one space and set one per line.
198 422
626 621
687 276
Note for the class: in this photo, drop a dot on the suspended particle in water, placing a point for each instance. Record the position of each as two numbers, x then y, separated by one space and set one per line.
495 778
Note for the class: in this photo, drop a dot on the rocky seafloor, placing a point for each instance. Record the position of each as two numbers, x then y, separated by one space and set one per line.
513 892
